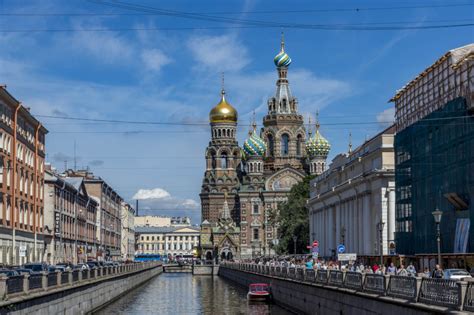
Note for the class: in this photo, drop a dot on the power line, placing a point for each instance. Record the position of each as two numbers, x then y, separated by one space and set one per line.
353 9
138 122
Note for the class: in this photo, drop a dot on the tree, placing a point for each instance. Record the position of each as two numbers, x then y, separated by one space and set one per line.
292 219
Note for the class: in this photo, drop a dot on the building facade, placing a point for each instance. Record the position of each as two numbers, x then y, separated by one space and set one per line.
154 220
128 232
70 220
22 153
254 179
167 241
108 222
434 148
353 202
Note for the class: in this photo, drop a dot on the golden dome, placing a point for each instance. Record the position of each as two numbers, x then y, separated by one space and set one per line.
223 112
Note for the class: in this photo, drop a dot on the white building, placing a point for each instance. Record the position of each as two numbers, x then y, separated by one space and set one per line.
154 220
349 201
167 241
128 232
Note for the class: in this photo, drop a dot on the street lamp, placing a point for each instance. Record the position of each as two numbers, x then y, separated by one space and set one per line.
343 234
437 217
295 238
380 226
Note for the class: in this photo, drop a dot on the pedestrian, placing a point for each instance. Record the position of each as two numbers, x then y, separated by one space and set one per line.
402 271
411 270
392 270
437 272
426 272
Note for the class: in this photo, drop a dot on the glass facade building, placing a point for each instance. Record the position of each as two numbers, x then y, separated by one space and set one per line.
435 169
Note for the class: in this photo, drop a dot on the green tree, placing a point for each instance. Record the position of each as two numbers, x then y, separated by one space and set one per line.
292 219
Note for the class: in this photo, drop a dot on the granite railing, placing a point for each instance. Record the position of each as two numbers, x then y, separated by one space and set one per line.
17 286
453 294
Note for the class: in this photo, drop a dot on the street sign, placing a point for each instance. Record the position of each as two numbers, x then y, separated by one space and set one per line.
22 251
315 244
347 257
315 249
315 255
341 248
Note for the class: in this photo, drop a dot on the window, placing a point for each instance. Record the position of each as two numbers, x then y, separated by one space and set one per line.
147 238
255 209
284 144
255 234
299 141
152 238
224 160
270 145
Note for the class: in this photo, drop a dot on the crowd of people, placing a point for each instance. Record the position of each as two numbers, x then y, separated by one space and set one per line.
321 264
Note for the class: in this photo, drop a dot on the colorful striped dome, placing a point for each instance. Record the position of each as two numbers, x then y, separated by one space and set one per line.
317 146
282 59
254 146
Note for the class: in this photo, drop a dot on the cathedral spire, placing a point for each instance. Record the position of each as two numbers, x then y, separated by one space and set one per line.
350 142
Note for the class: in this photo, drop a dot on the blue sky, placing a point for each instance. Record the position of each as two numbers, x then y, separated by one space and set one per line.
148 74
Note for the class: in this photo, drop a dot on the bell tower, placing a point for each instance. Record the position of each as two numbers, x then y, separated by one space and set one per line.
283 127
222 163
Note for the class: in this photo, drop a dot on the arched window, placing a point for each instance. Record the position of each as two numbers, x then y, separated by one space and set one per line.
224 160
213 160
284 107
285 139
270 145
299 141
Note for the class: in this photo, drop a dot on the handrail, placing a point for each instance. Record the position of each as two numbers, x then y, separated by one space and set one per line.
16 286
453 294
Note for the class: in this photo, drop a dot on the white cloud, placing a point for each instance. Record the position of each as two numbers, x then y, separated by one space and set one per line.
156 193
219 53
155 59
387 117
190 204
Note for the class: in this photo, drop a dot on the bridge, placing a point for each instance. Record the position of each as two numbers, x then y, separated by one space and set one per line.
168 268
336 292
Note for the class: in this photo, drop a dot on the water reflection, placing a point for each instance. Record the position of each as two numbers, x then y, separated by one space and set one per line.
181 293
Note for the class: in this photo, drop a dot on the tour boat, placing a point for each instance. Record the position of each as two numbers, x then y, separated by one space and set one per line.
259 292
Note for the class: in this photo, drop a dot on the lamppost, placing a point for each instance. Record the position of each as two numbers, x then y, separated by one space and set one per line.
295 238
437 217
343 235
380 226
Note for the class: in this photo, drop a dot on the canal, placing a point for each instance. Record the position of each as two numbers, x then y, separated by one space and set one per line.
183 293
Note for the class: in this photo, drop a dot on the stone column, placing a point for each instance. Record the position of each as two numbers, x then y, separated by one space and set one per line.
3 285
367 240
44 280
26 283
391 215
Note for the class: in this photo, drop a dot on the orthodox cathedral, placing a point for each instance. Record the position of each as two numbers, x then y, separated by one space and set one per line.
243 185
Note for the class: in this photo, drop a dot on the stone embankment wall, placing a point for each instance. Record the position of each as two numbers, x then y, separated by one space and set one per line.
311 298
82 297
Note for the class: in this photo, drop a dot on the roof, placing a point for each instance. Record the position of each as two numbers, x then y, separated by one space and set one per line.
456 57
164 229
74 181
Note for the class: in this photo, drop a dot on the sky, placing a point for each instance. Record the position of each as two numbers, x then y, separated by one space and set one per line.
152 62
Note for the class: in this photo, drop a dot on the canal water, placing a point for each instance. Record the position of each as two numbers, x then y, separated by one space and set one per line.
183 294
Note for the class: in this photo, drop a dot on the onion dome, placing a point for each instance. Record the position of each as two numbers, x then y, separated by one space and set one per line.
254 145
317 146
282 59
223 112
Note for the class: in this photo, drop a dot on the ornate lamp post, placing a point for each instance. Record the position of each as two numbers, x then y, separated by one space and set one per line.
343 234
295 238
380 226
437 217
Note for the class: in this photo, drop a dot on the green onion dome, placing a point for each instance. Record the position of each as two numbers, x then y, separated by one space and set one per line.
254 146
317 146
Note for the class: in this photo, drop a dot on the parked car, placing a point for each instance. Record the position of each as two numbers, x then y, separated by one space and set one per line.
66 266
8 272
36 267
83 266
54 268
456 274
472 271
23 270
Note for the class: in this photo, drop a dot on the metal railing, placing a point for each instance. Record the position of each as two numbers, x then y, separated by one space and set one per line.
353 280
439 291
375 283
336 277
35 281
22 284
469 298
453 294
402 287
